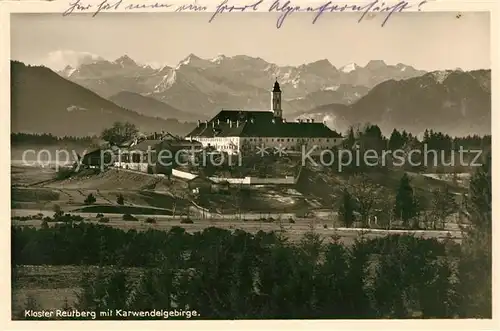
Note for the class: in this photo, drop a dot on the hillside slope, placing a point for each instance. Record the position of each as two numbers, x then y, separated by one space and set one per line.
455 102
44 102
151 107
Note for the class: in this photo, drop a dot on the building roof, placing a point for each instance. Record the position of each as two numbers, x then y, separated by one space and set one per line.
145 145
200 179
94 151
239 123
276 87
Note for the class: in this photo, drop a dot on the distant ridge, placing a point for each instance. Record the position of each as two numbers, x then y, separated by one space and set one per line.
451 101
44 102
148 106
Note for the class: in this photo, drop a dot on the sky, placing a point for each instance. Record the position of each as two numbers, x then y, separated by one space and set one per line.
427 41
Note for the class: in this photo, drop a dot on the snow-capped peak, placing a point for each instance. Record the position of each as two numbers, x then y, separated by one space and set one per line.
194 61
189 59
440 76
375 64
349 67
167 81
218 59
125 60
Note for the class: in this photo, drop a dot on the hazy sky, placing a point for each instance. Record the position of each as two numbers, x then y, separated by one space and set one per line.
427 41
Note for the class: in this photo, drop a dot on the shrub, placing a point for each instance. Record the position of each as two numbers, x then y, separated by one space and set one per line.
150 220
99 215
291 220
103 220
128 217
57 211
187 221
77 218
325 226
120 200
90 199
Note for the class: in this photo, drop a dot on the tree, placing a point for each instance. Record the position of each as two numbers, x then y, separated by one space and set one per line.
57 211
119 133
406 204
443 204
396 140
120 199
371 138
90 199
366 194
475 266
346 208
350 138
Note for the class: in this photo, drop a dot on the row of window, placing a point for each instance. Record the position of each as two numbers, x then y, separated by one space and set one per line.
269 139
289 139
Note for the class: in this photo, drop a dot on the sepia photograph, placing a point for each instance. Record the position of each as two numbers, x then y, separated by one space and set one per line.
193 166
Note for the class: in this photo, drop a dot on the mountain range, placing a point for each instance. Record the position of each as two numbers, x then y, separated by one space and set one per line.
44 102
393 96
204 86
451 101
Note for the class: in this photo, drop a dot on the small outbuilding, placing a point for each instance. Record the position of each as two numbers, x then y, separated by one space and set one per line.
96 158
201 184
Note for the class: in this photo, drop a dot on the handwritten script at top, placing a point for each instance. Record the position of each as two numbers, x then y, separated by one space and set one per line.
118 5
284 8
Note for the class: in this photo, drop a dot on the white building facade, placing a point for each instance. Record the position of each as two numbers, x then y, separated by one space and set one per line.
237 131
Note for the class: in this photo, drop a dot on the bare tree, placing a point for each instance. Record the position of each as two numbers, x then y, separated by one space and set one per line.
443 205
366 193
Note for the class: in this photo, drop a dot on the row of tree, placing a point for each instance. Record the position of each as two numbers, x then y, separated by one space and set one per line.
237 275
47 139
403 208
435 152
371 136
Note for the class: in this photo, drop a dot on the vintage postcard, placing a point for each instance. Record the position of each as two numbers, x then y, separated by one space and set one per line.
262 160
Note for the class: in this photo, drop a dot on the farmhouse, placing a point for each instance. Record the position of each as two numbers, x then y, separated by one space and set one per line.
155 154
96 158
235 131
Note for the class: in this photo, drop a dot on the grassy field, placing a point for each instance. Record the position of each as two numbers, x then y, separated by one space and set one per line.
143 191
316 192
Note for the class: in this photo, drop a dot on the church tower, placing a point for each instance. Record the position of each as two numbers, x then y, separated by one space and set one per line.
276 101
